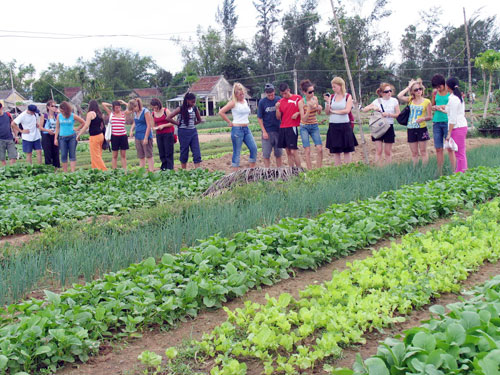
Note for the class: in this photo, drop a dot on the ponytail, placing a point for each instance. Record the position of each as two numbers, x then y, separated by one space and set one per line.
453 85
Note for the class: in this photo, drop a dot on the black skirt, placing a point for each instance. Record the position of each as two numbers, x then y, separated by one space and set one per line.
340 138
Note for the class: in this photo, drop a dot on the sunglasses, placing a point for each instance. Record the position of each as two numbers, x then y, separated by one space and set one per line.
311 92
387 91
419 89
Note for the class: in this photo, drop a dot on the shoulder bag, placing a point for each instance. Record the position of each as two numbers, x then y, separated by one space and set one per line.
378 123
404 115
107 134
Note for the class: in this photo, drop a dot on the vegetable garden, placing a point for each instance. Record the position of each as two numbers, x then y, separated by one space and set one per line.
163 254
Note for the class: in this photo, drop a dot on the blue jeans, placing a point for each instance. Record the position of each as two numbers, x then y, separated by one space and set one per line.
310 130
240 135
188 139
67 145
439 132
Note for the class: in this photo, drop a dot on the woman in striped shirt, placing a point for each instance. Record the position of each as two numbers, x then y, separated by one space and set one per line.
309 108
119 138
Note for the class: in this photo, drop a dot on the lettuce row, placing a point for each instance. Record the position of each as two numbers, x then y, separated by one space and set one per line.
289 335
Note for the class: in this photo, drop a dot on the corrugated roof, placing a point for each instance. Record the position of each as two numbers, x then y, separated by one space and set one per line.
70 92
204 84
4 94
147 92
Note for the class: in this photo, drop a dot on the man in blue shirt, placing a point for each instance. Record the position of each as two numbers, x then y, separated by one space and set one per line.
270 126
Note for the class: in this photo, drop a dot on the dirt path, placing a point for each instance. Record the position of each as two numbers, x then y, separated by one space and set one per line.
121 361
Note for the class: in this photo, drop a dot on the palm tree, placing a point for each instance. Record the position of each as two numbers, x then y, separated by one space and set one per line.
488 61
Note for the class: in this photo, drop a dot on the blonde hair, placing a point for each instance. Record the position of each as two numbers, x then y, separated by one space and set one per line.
418 81
383 85
339 81
237 87
134 103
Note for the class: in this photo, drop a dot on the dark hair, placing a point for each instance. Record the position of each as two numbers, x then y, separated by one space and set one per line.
65 109
283 86
184 109
116 103
305 84
437 80
94 106
1 105
156 103
452 83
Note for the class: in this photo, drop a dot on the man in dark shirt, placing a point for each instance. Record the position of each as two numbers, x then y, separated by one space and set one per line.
270 126
7 143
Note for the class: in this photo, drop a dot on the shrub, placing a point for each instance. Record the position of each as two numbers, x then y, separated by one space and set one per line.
488 123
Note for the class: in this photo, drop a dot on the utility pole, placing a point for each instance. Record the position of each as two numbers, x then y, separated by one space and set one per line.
11 79
52 94
351 83
468 65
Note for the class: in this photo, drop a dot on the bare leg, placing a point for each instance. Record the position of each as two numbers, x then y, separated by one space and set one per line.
291 160
279 163
197 165
39 156
65 166
4 163
337 160
307 151
296 157
123 155
440 160
114 159
319 156
347 157
267 162
29 158
13 161
422 146
414 152
72 165
142 162
183 165
252 165
151 165
388 152
378 153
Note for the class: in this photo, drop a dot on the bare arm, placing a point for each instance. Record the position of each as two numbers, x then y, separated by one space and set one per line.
278 112
198 117
149 126
223 110
171 115
16 128
56 137
81 121
90 116
107 107
346 110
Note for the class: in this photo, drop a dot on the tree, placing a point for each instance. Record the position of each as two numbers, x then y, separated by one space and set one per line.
228 18
264 42
22 77
488 61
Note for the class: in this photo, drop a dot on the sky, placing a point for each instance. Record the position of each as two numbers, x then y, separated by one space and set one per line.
39 34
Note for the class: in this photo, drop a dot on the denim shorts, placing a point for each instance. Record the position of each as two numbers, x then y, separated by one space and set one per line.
439 132
28 146
67 145
310 130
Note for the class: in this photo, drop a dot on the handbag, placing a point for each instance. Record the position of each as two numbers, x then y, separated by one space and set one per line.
404 116
378 123
107 134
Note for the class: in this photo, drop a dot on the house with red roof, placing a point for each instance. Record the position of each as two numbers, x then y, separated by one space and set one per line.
145 95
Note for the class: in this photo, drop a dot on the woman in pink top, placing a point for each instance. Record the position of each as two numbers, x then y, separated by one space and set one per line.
119 138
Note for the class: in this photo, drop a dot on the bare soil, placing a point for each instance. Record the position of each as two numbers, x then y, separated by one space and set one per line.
122 360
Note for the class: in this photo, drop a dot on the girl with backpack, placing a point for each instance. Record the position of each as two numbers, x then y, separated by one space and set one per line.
188 116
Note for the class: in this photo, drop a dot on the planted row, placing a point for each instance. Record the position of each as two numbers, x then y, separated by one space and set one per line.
37 201
220 268
466 340
290 335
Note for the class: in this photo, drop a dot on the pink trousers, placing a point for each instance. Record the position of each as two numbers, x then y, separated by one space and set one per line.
459 136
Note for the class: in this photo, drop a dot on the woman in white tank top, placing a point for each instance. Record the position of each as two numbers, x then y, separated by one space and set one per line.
240 133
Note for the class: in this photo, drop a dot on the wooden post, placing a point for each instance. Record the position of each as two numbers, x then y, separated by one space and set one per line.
468 66
351 83
295 85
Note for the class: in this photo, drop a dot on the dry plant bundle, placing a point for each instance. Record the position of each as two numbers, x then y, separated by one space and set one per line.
245 176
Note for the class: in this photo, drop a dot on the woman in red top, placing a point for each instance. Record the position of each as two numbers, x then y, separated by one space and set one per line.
164 134
119 137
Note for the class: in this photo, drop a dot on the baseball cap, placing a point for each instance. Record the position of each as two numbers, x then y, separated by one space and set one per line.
269 87
33 108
